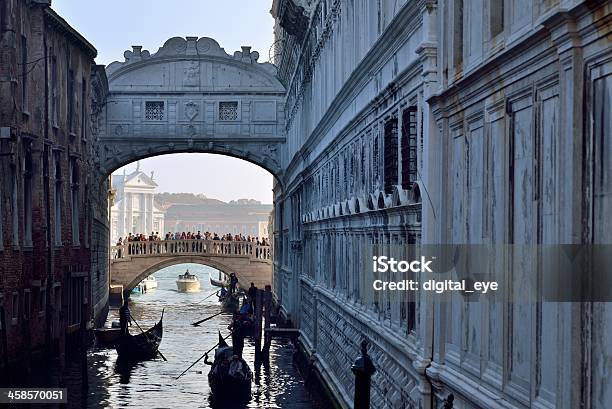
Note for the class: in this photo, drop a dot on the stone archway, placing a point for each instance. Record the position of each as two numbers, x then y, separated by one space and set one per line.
191 96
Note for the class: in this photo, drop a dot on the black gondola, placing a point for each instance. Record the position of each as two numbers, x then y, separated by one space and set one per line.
230 376
230 302
142 346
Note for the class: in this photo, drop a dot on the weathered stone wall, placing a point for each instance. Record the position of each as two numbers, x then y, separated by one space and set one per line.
507 98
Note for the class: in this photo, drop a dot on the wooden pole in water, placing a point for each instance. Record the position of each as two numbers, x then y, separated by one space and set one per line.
267 304
258 315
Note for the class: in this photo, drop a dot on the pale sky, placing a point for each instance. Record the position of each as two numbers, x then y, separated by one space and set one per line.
113 26
217 176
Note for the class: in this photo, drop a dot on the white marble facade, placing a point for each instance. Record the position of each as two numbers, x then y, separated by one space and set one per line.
135 210
506 106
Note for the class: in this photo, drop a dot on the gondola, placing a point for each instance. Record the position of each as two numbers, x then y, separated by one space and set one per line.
230 302
142 346
218 283
224 380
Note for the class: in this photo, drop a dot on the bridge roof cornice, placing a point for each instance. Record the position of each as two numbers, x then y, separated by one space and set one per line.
192 49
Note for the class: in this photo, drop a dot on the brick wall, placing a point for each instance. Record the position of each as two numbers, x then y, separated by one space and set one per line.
45 78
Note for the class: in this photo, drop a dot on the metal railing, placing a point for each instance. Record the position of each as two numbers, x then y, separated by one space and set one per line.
188 247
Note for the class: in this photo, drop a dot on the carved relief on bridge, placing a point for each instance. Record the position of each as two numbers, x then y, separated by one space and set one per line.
192 96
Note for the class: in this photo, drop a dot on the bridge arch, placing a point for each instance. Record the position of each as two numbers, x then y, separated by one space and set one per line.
205 261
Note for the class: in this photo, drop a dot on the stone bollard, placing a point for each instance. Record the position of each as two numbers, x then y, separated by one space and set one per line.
363 370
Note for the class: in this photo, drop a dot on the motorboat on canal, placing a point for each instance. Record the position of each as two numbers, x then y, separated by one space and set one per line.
142 346
230 376
188 283
149 283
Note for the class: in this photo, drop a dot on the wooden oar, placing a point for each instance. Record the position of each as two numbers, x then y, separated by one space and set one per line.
205 353
207 297
146 335
195 324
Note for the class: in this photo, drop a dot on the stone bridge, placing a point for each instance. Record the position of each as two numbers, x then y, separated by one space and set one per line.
191 96
132 262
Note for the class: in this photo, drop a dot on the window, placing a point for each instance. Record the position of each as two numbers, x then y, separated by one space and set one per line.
375 161
58 199
57 299
42 300
14 206
409 147
390 155
76 300
27 306
54 93
15 308
154 110
496 17
70 100
228 111
24 73
457 40
74 200
27 198
84 109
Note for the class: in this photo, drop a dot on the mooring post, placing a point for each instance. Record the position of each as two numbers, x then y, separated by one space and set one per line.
258 316
267 303
363 368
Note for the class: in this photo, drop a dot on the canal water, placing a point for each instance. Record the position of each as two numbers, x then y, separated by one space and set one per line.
153 384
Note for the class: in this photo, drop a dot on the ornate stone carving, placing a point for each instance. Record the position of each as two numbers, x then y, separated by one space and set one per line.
192 74
191 110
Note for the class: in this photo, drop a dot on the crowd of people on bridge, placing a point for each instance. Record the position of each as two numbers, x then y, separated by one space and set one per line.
181 242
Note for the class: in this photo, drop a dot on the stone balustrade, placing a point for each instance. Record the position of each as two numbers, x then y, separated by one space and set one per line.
191 247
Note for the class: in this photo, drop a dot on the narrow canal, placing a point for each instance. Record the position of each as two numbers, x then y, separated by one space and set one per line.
152 384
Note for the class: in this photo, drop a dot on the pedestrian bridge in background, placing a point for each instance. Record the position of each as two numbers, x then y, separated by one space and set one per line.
134 261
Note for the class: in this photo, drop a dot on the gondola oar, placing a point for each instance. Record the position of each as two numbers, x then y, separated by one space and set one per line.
205 353
207 297
195 324
140 328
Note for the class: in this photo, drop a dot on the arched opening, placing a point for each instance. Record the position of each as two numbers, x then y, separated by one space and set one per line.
209 209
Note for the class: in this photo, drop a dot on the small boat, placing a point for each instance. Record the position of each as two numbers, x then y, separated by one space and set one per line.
220 282
230 302
230 376
142 346
188 283
149 283
107 336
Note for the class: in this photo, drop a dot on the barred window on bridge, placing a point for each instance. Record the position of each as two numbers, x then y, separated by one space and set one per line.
154 110
228 111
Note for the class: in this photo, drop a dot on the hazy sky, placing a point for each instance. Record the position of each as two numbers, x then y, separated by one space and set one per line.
113 26
216 176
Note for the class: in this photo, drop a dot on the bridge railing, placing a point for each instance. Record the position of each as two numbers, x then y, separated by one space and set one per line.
183 247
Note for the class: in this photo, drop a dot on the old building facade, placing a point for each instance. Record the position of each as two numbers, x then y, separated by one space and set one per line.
47 75
134 209
437 122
